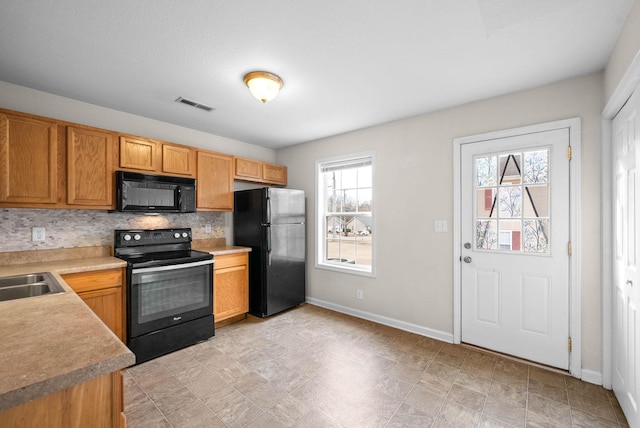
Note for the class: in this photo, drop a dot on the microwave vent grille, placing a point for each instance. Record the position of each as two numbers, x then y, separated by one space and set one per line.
194 104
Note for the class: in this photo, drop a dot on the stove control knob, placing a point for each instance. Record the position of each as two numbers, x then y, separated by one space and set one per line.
137 237
127 237
176 235
185 234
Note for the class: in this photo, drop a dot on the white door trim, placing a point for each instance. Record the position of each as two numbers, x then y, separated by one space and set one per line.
575 138
621 94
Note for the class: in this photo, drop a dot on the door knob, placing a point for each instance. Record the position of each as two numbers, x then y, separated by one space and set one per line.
467 259
467 245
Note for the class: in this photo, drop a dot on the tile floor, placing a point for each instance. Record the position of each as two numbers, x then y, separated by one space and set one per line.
311 367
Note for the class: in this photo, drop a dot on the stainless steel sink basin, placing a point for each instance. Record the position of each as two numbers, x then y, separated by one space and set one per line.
28 285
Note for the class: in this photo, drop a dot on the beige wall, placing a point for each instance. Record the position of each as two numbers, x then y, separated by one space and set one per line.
626 49
414 186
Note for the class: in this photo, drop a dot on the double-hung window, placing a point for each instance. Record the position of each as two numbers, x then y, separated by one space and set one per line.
345 226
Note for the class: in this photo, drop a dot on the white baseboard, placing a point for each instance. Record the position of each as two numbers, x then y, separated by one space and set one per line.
401 325
591 376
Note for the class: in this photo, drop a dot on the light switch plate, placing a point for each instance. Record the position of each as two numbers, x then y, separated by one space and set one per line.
440 226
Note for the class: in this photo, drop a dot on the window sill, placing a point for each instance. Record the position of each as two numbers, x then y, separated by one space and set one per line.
351 270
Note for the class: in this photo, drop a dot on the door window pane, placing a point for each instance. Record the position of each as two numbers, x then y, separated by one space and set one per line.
486 171
513 190
510 201
486 235
536 167
486 203
536 236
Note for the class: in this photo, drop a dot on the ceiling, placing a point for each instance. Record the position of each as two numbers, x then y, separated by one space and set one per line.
345 64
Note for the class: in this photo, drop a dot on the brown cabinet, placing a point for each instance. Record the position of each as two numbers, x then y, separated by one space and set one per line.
179 160
96 403
139 154
28 160
259 172
90 167
230 286
276 174
215 182
102 291
156 157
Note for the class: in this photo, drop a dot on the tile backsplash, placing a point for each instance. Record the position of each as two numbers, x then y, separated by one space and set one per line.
81 228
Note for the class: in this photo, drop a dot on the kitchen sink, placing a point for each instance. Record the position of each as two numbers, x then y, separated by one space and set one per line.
28 285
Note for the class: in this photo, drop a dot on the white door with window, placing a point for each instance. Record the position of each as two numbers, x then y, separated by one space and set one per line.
515 239
626 276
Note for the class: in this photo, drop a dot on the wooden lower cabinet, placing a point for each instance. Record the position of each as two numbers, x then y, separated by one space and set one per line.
102 291
230 286
96 403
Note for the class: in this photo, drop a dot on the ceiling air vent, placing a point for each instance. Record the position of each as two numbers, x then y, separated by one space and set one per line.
194 104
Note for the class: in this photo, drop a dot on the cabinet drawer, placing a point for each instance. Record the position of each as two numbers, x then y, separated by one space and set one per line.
228 260
94 280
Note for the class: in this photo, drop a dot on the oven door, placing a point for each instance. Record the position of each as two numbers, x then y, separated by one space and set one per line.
163 296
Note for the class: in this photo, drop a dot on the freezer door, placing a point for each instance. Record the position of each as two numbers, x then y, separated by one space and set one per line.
285 267
285 206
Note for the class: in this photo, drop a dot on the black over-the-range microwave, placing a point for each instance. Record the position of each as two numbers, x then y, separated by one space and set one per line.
148 193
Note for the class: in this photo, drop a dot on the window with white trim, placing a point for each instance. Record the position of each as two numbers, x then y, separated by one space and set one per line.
345 213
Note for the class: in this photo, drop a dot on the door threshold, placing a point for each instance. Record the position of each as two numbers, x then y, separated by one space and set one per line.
516 359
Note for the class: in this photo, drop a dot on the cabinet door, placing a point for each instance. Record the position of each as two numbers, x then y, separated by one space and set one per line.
247 169
276 174
230 286
178 160
89 167
215 182
107 305
28 160
137 153
96 403
101 290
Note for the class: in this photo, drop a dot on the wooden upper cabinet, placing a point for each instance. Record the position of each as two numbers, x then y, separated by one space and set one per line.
276 174
214 182
155 157
178 160
138 153
28 160
247 169
259 172
89 167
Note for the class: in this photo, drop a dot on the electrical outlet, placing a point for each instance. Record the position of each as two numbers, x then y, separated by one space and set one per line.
359 294
440 226
37 234
207 228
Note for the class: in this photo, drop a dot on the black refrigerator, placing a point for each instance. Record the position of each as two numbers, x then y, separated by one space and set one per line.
272 222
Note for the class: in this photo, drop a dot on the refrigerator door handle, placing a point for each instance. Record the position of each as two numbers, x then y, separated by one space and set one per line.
269 245
268 210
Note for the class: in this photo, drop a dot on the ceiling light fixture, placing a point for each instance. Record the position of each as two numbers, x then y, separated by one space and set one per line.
263 85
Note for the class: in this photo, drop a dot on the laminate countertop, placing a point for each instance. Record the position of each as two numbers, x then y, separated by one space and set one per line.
52 342
218 250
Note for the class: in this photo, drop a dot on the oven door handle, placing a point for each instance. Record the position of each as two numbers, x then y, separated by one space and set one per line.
171 267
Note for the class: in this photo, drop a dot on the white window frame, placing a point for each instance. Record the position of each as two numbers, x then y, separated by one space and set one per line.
320 224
